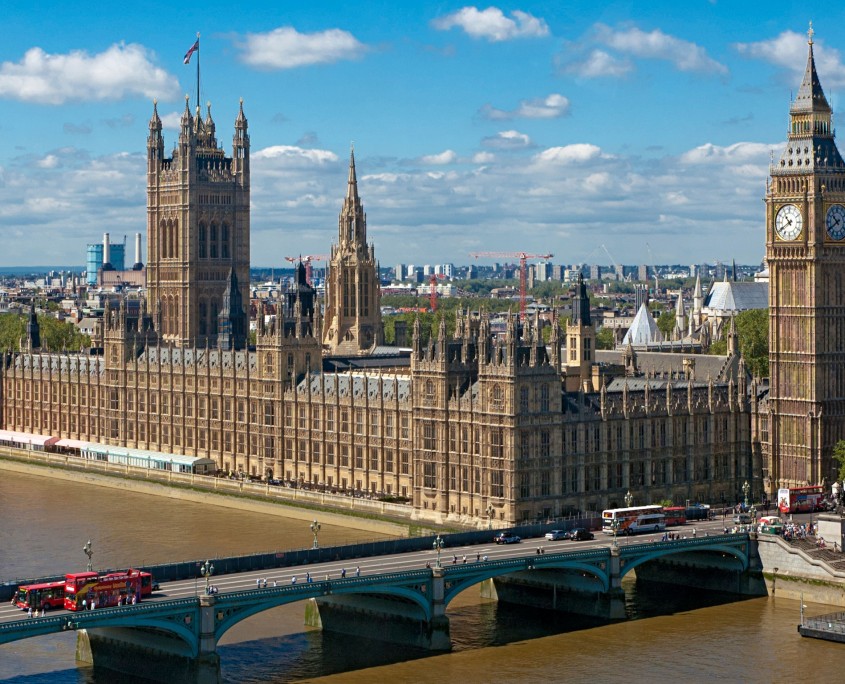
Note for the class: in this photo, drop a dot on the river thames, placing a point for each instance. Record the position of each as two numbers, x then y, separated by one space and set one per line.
674 635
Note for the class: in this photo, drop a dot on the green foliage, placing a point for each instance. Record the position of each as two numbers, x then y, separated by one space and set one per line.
12 329
718 348
605 339
56 335
753 329
666 323
839 457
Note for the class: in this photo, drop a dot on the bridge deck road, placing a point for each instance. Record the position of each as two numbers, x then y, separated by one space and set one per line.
392 563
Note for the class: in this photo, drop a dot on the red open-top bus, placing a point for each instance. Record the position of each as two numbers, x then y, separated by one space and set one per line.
40 596
82 589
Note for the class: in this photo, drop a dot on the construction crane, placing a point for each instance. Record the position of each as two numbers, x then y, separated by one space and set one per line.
306 260
432 294
523 257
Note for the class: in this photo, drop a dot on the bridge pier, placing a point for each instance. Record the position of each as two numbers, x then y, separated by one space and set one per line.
165 656
403 621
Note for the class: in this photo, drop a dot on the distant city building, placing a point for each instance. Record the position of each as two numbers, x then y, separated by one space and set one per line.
399 271
595 272
642 272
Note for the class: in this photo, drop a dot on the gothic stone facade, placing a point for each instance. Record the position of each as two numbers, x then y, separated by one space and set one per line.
475 427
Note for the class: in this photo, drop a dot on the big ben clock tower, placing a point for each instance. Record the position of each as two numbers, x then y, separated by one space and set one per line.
805 249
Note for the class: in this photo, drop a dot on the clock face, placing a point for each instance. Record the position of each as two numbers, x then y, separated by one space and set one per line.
789 222
835 222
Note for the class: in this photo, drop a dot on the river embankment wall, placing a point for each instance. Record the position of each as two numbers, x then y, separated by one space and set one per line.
791 572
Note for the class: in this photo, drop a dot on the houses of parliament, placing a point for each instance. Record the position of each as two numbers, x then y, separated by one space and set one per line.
468 427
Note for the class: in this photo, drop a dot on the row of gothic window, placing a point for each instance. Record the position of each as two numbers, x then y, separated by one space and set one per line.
213 241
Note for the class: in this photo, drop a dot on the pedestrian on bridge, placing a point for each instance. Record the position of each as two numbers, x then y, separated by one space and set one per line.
343 573
293 580
357 571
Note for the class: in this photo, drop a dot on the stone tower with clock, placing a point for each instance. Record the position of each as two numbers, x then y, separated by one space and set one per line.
805 249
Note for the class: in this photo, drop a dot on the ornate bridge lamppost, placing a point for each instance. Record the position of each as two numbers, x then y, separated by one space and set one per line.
745 489
315 530
629 500
207 570
615 527
438 545
88 551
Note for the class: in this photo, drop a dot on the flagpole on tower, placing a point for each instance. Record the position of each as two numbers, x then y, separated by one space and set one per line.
198 70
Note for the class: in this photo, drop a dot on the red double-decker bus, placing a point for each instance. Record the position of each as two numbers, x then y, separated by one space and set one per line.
86 589
675 515
800 499
40 596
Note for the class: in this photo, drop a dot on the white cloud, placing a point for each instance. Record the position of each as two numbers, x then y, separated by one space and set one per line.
51 161
286 48
578 152
738 153
607 51
290 152
119 72
550 107
445 157
171 120
686 56
492 25
596 64
789 51
507 140
564 199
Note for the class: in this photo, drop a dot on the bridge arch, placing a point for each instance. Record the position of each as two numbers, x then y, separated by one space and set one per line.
655 554
598 569
232 609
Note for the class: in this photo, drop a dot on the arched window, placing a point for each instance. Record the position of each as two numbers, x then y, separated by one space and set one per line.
497 397
203 316
203 240
173 251
162 239
212 241
224 241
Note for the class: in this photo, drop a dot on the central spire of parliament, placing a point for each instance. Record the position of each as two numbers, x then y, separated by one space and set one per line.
353 315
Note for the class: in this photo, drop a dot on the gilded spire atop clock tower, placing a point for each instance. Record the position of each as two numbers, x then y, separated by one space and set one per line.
805 250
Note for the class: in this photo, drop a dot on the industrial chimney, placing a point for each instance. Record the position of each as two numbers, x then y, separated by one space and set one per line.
137 266
107 253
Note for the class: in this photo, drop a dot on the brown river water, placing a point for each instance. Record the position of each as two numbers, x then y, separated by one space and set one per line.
671 636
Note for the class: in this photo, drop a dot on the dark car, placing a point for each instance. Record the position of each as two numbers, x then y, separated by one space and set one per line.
506 538
581 534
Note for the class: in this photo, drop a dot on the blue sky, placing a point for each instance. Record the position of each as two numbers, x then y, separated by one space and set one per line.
538 126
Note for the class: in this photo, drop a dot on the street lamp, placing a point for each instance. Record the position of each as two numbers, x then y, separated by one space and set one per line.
315 529
88 552
628 499
615 526
745 489
489 516
437 545
207 570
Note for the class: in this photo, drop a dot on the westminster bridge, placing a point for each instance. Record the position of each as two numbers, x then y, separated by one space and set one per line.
179 635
